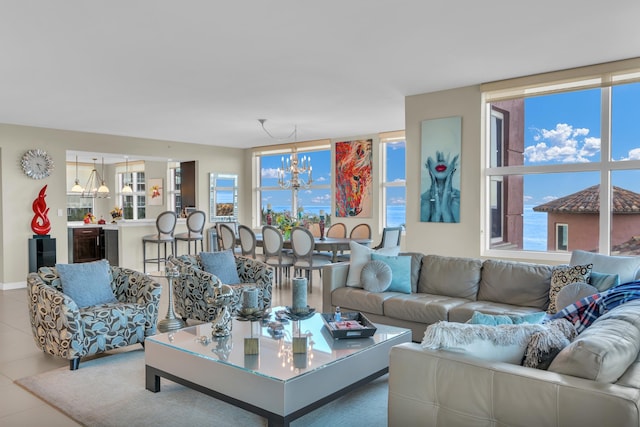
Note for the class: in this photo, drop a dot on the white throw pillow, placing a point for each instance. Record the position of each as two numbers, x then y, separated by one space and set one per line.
360 255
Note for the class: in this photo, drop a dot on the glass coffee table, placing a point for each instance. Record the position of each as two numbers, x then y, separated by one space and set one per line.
276 383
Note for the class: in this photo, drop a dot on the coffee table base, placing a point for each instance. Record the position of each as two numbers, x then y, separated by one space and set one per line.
152 383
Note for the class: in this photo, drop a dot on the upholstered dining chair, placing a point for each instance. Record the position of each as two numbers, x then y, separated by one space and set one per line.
165 227
272 245
391 237
194 233
228 238
360 231
74 315
303 245
337 230
248 242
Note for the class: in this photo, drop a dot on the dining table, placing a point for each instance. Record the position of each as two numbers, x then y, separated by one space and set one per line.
329 244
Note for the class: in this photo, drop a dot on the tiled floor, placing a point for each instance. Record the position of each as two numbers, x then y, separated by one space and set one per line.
19 357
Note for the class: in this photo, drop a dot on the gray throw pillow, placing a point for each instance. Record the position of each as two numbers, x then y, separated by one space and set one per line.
573 292
376 276
88 283
221 264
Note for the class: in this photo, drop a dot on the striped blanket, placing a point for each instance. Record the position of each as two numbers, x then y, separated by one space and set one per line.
584 312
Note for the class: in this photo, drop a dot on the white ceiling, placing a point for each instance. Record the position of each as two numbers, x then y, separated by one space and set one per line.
204 71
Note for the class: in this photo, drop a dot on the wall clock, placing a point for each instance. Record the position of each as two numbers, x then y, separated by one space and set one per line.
37 164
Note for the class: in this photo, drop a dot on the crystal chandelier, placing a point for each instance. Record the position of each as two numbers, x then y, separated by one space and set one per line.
292 174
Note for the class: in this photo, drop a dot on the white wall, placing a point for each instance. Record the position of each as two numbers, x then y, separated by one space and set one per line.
463 238
18 191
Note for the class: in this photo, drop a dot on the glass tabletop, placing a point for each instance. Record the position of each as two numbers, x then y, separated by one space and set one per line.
275 358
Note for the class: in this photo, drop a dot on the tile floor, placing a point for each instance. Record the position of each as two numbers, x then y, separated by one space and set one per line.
19 357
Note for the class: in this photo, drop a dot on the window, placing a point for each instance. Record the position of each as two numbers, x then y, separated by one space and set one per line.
175 199
78 206
563 155
394 194
133 204
305 202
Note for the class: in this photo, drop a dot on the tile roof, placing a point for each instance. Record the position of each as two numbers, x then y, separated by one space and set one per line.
588 201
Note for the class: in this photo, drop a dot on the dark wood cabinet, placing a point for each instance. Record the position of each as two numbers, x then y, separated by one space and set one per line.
86 244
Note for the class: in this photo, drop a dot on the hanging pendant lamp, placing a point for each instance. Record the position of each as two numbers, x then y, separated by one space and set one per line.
77 188
126 189
96 188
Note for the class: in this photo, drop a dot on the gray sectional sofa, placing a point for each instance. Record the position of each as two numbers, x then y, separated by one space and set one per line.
452 288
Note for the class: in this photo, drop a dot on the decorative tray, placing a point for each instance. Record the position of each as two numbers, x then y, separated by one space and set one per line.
353 325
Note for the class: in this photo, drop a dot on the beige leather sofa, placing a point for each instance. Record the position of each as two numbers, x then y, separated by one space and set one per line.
595 381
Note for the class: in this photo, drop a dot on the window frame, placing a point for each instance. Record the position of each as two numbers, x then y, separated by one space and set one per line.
385 140
602 76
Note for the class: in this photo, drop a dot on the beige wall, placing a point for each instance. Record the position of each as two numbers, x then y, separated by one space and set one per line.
17 191
463 238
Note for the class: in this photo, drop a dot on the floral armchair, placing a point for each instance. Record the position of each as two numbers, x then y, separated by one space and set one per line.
62 329
194 286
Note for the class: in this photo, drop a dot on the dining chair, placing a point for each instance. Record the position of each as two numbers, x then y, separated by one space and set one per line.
390 237
248 242
165 227
194 233
361 231
337 230
304 258
272 245
227 236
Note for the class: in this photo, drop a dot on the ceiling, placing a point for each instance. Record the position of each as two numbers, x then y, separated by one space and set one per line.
204 71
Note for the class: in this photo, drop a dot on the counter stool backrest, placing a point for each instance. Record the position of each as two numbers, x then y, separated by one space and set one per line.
166 224
195 223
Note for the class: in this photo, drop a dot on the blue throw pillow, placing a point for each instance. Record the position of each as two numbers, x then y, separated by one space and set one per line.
479 318
87 283
400 272
221 264
603 281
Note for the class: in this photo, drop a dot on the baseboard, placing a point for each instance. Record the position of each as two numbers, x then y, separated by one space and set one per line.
14 285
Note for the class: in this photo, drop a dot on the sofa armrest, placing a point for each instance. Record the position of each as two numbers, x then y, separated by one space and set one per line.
457 389
334 276
253 271
55 319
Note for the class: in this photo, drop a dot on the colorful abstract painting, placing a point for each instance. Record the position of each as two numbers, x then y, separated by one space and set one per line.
440 170
353 178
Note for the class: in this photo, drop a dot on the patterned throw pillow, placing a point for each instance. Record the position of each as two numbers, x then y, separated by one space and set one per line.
563 276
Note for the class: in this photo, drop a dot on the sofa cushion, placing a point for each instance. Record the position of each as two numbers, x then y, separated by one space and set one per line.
573 292
222 264
480 318
626 267
463 312
515 283
563 276
360 255
502 343
376 276
604 350
450 276
88 283
603 281
349 298
420 308
400 271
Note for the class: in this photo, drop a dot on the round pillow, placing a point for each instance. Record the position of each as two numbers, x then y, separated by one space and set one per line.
572 293
375 276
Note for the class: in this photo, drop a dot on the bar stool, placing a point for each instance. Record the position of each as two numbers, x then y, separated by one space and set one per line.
165 225
195 226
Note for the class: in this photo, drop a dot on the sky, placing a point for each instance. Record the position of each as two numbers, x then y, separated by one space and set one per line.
566 128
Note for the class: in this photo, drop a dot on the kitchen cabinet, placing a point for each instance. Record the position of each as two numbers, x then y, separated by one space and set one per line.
86 244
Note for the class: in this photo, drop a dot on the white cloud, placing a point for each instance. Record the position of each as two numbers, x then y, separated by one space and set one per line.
320 179
322 199
397 201
634 154
269 173
527 198
564 144
399 180
549 198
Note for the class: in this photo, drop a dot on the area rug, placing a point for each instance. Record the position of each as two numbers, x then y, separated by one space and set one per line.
110 391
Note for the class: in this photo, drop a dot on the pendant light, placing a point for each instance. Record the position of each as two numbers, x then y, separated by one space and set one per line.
127 188
96 188
77 188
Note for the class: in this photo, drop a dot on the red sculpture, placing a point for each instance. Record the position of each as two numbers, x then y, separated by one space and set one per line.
40 223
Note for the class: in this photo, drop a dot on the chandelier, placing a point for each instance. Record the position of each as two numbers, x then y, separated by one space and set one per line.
296 172
96 188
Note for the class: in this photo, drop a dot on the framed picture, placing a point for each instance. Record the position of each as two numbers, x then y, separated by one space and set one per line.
353 178
440 170
155 192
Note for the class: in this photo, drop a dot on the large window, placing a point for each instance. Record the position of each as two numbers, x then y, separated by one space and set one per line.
306 201
563 166
174 195
394 194
133 204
